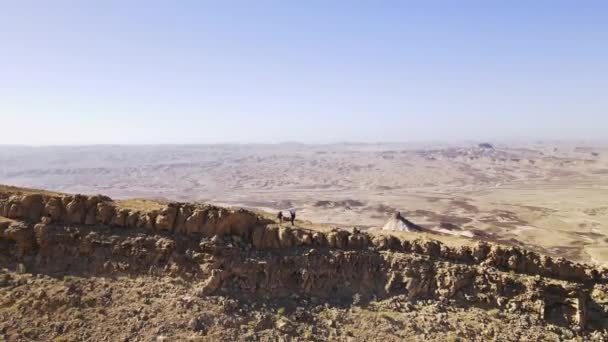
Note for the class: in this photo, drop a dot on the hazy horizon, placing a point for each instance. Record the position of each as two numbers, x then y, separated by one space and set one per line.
115 73
454 143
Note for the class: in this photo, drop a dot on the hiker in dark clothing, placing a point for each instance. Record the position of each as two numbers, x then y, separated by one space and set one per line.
280 217
292 216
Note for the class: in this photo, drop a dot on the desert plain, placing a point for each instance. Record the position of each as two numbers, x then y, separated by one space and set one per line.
551 197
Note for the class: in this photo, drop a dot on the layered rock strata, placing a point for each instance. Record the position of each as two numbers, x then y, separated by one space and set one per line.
240 253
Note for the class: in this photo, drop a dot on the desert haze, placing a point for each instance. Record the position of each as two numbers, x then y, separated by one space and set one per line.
549 197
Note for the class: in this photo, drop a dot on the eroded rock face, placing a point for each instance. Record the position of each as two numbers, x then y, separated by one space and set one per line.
233 266
194 223
239 252
203 220
183 213
54 209
21 234
165 220
207 221
76 210
33 205
121 218
105 212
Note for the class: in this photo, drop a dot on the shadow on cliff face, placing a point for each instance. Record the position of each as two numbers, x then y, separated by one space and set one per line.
231 266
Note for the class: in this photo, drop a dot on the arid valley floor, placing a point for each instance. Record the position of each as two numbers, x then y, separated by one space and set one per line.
550 197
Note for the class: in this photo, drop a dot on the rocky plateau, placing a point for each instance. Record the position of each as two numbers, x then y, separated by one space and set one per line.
203 272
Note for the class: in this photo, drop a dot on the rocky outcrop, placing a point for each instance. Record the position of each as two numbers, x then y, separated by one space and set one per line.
206 221
240 253
182 218
233 266
400 224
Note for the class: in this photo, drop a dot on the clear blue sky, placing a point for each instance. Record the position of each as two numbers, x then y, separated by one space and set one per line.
76 72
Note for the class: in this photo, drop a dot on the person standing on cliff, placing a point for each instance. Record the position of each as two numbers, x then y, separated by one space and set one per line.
292 215
280 216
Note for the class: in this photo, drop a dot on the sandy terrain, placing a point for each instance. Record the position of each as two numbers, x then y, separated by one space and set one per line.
551 197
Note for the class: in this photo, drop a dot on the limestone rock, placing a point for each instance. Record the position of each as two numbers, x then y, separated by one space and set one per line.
320 239
132 219
4 204
76 209
240 222
105 212
257 238
148 220
54 209
358 241
15 210
400 223
22 234
41 233
302 238
215 281
184 212
120 219
194 223
165 219
271 237
33 205
338 239
286 237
